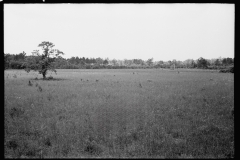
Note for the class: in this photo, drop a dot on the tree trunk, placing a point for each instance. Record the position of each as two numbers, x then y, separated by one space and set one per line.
44 75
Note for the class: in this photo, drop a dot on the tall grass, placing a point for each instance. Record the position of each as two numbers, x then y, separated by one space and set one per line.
172 115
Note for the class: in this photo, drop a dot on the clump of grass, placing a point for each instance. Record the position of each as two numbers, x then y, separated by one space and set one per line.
29 149
12 144
14 76
50 77
47 142
49 97
16 112
93 148
30 83
33 152
40 89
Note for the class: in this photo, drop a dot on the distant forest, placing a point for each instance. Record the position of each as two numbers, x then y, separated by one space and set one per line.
17 61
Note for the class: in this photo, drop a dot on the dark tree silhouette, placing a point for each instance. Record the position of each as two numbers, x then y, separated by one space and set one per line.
42 62
202 63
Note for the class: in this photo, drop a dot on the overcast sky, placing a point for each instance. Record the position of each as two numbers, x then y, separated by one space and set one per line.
123 31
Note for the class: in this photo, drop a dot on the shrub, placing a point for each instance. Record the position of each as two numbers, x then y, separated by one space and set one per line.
40 88
227 70
231 69
50 77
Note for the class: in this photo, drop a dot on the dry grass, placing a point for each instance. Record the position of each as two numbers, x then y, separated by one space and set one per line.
175 116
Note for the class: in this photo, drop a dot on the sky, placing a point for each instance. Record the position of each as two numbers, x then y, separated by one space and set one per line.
123 31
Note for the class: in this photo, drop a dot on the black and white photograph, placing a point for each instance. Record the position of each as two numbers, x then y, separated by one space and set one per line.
119 80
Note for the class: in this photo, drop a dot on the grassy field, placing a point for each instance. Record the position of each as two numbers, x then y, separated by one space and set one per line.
119 113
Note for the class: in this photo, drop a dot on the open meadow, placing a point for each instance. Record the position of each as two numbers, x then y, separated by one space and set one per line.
144 113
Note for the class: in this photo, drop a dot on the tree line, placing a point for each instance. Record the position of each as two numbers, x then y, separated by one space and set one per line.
51 59
17 61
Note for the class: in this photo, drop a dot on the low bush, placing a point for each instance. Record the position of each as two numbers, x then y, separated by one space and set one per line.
227 70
